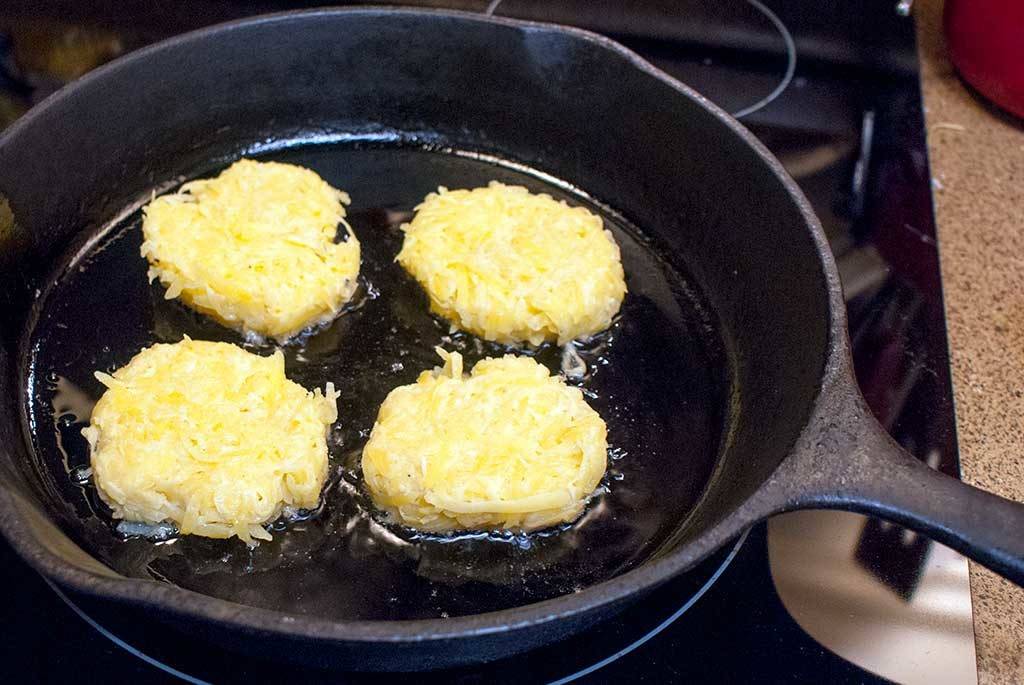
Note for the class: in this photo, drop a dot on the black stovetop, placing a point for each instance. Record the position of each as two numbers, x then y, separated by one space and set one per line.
848 127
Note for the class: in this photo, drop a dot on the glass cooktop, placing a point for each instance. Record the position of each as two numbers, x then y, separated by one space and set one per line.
810 597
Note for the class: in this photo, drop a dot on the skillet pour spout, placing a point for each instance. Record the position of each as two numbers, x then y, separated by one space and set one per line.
469 98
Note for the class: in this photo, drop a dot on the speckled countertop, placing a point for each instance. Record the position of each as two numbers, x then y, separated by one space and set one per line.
977 157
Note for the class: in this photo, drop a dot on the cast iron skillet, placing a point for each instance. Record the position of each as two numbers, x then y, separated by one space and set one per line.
728 385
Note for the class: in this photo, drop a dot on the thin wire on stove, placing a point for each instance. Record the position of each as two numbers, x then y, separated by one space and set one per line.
122 644
787 38
661 626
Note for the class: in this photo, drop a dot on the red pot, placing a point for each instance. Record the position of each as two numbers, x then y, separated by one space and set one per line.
986 44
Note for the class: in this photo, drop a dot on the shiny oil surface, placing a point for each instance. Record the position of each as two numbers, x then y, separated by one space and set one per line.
658 377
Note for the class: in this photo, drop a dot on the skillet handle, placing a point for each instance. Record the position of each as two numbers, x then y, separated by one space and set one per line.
866 471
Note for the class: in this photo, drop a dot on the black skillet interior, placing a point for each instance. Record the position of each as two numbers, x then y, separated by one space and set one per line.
658 377
704 394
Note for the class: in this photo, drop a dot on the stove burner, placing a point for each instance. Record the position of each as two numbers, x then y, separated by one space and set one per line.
160 647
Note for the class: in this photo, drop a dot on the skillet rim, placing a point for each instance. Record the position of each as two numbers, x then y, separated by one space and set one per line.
172 599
